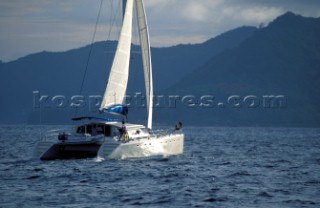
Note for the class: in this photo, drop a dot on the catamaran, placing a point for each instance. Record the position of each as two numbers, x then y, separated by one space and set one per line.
112 138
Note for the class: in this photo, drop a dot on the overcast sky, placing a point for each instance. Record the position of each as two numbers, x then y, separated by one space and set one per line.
29 26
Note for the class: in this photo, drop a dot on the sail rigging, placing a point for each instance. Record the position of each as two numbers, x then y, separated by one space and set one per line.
118 78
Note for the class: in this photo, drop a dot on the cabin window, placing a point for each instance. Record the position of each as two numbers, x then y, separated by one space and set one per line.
95 129
105 130
81 130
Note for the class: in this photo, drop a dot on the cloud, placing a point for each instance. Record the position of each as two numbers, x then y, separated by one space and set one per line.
255 14
37 25
159 4
195 12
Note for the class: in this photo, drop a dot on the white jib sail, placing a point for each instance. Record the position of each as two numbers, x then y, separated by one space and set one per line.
118 78
146 57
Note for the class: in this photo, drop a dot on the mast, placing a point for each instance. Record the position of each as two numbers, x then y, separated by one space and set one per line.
146 58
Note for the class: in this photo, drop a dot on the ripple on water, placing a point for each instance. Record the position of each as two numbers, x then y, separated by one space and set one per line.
221 167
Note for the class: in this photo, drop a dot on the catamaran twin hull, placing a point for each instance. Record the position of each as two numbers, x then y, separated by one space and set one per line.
111 148
119 139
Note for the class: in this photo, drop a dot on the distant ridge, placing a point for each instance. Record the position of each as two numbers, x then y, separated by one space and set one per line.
282 58
60 73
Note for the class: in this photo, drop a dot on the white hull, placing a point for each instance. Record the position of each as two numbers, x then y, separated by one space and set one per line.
164 145
112 148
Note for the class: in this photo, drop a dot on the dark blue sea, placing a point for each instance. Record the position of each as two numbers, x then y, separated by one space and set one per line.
221 167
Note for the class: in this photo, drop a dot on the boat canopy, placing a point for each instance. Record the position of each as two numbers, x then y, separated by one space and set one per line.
117 109
95 118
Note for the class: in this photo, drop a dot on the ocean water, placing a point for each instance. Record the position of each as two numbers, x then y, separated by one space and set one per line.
221 167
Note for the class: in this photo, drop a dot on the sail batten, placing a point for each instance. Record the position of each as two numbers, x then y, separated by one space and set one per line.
118 78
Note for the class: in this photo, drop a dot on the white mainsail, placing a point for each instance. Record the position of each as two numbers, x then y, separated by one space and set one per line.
118 78
117 84
146 57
